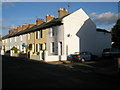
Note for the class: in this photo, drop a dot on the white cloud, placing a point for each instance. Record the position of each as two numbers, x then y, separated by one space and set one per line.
107 18
4 27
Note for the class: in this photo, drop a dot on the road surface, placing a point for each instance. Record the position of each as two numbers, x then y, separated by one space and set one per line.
24 73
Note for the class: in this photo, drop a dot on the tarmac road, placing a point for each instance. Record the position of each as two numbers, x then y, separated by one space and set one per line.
24 73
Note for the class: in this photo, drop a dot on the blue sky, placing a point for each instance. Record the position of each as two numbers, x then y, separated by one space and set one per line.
104 14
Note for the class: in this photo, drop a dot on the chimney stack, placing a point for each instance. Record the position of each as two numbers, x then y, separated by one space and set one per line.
39 21
19 28
49 18
24 26
62 12
15 30
30 25
11 31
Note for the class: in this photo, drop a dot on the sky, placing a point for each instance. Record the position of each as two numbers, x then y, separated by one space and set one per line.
103 14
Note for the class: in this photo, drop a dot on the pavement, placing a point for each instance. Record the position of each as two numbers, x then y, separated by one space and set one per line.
58 62
102 68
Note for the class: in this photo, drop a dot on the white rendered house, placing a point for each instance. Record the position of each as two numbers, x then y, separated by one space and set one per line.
103 41
76 33
16 41
65 35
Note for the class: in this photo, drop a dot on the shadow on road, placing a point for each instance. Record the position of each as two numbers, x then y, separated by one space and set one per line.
25 73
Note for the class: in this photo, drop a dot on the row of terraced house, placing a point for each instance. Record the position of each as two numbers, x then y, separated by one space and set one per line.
56 38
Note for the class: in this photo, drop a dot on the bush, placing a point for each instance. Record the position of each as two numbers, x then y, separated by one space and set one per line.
38 53
33 52
15 49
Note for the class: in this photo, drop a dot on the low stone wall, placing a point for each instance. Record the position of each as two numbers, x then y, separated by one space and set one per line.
23 55
35 57
48 58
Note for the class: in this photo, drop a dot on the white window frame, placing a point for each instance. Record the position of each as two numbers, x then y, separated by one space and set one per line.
40 48
51 32
28 36
52 47
21 47
37 48
10 39
41 34
38 36
6 40
15 39
21 38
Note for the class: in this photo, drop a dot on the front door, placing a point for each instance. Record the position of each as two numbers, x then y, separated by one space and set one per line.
60 48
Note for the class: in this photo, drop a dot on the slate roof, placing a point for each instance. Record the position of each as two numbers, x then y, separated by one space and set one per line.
44 25
102 30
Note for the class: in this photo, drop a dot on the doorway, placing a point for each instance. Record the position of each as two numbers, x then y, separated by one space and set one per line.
60 48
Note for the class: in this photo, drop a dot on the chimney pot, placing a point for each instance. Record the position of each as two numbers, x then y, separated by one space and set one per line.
24 26
49 18
31 25
19 28
62 12
39 21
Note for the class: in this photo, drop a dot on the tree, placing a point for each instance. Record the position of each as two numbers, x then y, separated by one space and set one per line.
116 35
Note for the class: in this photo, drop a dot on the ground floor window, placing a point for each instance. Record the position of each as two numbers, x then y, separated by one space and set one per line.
45 46
41 46
30 46
60 48
52 47
37 47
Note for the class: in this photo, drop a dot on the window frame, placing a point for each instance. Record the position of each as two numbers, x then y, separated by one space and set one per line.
40 46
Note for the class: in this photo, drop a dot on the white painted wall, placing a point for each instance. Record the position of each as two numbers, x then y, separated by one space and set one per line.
48 58
18 42
7 44
58 37
11 42
103 40
21 40
3 44
79 26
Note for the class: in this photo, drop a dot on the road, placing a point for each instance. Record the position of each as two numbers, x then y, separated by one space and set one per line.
24 73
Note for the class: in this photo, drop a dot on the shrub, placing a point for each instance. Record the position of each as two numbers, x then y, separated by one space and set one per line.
38 53
15 49
33 52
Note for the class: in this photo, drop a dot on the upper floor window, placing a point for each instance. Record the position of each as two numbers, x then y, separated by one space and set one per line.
6 40
41 46
28 36
3 41
52 33
21 37
10 39
39 34
15 39
37 47
52 47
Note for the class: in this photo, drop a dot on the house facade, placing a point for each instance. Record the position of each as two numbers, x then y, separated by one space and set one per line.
36 40
103 41
76 34
59 37
40 40
31 41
